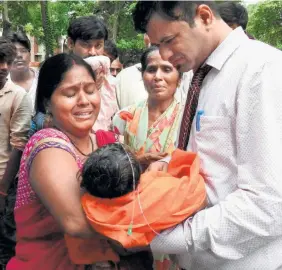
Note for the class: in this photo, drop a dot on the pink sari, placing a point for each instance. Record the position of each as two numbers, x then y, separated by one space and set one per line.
40 240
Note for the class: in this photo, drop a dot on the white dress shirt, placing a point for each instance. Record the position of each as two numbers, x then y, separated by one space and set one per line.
239 141
32 91
130 87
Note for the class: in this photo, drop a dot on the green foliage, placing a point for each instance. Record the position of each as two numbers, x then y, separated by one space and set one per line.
47 28
265 22
133 43
28 15
116 14
118 17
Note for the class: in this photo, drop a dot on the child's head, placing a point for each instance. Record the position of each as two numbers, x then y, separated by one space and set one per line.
107 173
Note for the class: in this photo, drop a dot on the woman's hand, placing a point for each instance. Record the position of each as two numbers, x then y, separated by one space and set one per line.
148 158
158 166
118 248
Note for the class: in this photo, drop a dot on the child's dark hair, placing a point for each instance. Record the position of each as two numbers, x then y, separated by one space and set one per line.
107 173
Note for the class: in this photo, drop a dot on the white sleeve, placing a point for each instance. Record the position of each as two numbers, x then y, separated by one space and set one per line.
250 217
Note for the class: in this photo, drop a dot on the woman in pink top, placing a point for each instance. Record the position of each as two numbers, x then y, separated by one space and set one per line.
48 197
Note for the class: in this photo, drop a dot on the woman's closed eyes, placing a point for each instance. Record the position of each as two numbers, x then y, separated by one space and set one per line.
71 91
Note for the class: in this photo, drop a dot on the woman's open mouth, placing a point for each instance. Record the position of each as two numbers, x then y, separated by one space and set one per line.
83 115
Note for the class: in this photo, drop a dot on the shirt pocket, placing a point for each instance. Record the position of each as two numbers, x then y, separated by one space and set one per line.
214 142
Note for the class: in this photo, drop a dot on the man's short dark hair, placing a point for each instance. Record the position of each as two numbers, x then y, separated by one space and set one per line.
8 51
233 13
87 28
111 49
21 38
186 11
107 173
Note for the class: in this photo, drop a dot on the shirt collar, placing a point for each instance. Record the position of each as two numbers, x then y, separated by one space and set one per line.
7 88
221 54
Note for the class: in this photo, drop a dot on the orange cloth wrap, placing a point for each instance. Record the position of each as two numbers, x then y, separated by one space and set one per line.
166 199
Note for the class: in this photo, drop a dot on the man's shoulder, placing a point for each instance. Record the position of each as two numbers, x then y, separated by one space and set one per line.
255 64
131 71
13 88
260 53
251 58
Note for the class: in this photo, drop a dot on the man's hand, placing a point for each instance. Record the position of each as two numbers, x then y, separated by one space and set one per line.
158 166
97 66
100 76
102 266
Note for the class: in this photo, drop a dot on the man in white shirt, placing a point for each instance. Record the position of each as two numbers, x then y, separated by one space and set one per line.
130 87
129 84
237 133
15 116
21 73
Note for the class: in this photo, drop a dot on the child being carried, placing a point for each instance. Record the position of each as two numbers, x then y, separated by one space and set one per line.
132 208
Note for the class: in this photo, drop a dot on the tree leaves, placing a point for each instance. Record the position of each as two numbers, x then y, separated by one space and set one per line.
265 22
116 14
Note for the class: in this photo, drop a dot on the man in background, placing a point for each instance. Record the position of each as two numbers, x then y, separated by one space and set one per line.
21 73
234 14
116 67
129 86
87 36
110 50
15 116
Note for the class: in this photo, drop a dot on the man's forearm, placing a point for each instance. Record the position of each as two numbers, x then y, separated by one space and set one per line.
11 170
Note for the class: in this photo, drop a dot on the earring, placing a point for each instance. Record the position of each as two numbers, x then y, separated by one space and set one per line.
48 120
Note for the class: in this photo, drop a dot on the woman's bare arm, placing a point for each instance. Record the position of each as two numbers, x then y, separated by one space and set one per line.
53 176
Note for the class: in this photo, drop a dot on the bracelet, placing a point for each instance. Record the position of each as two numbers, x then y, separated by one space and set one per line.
3 193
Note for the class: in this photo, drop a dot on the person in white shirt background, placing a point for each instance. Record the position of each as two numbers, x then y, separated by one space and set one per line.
129 84
15 116
238 137
21 73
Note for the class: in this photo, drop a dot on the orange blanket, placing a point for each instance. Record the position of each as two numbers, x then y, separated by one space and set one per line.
166 199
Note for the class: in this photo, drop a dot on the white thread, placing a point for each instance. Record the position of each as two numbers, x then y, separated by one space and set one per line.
138 198
141 209
134 185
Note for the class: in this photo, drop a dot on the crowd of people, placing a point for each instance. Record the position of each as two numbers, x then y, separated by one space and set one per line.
169 164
